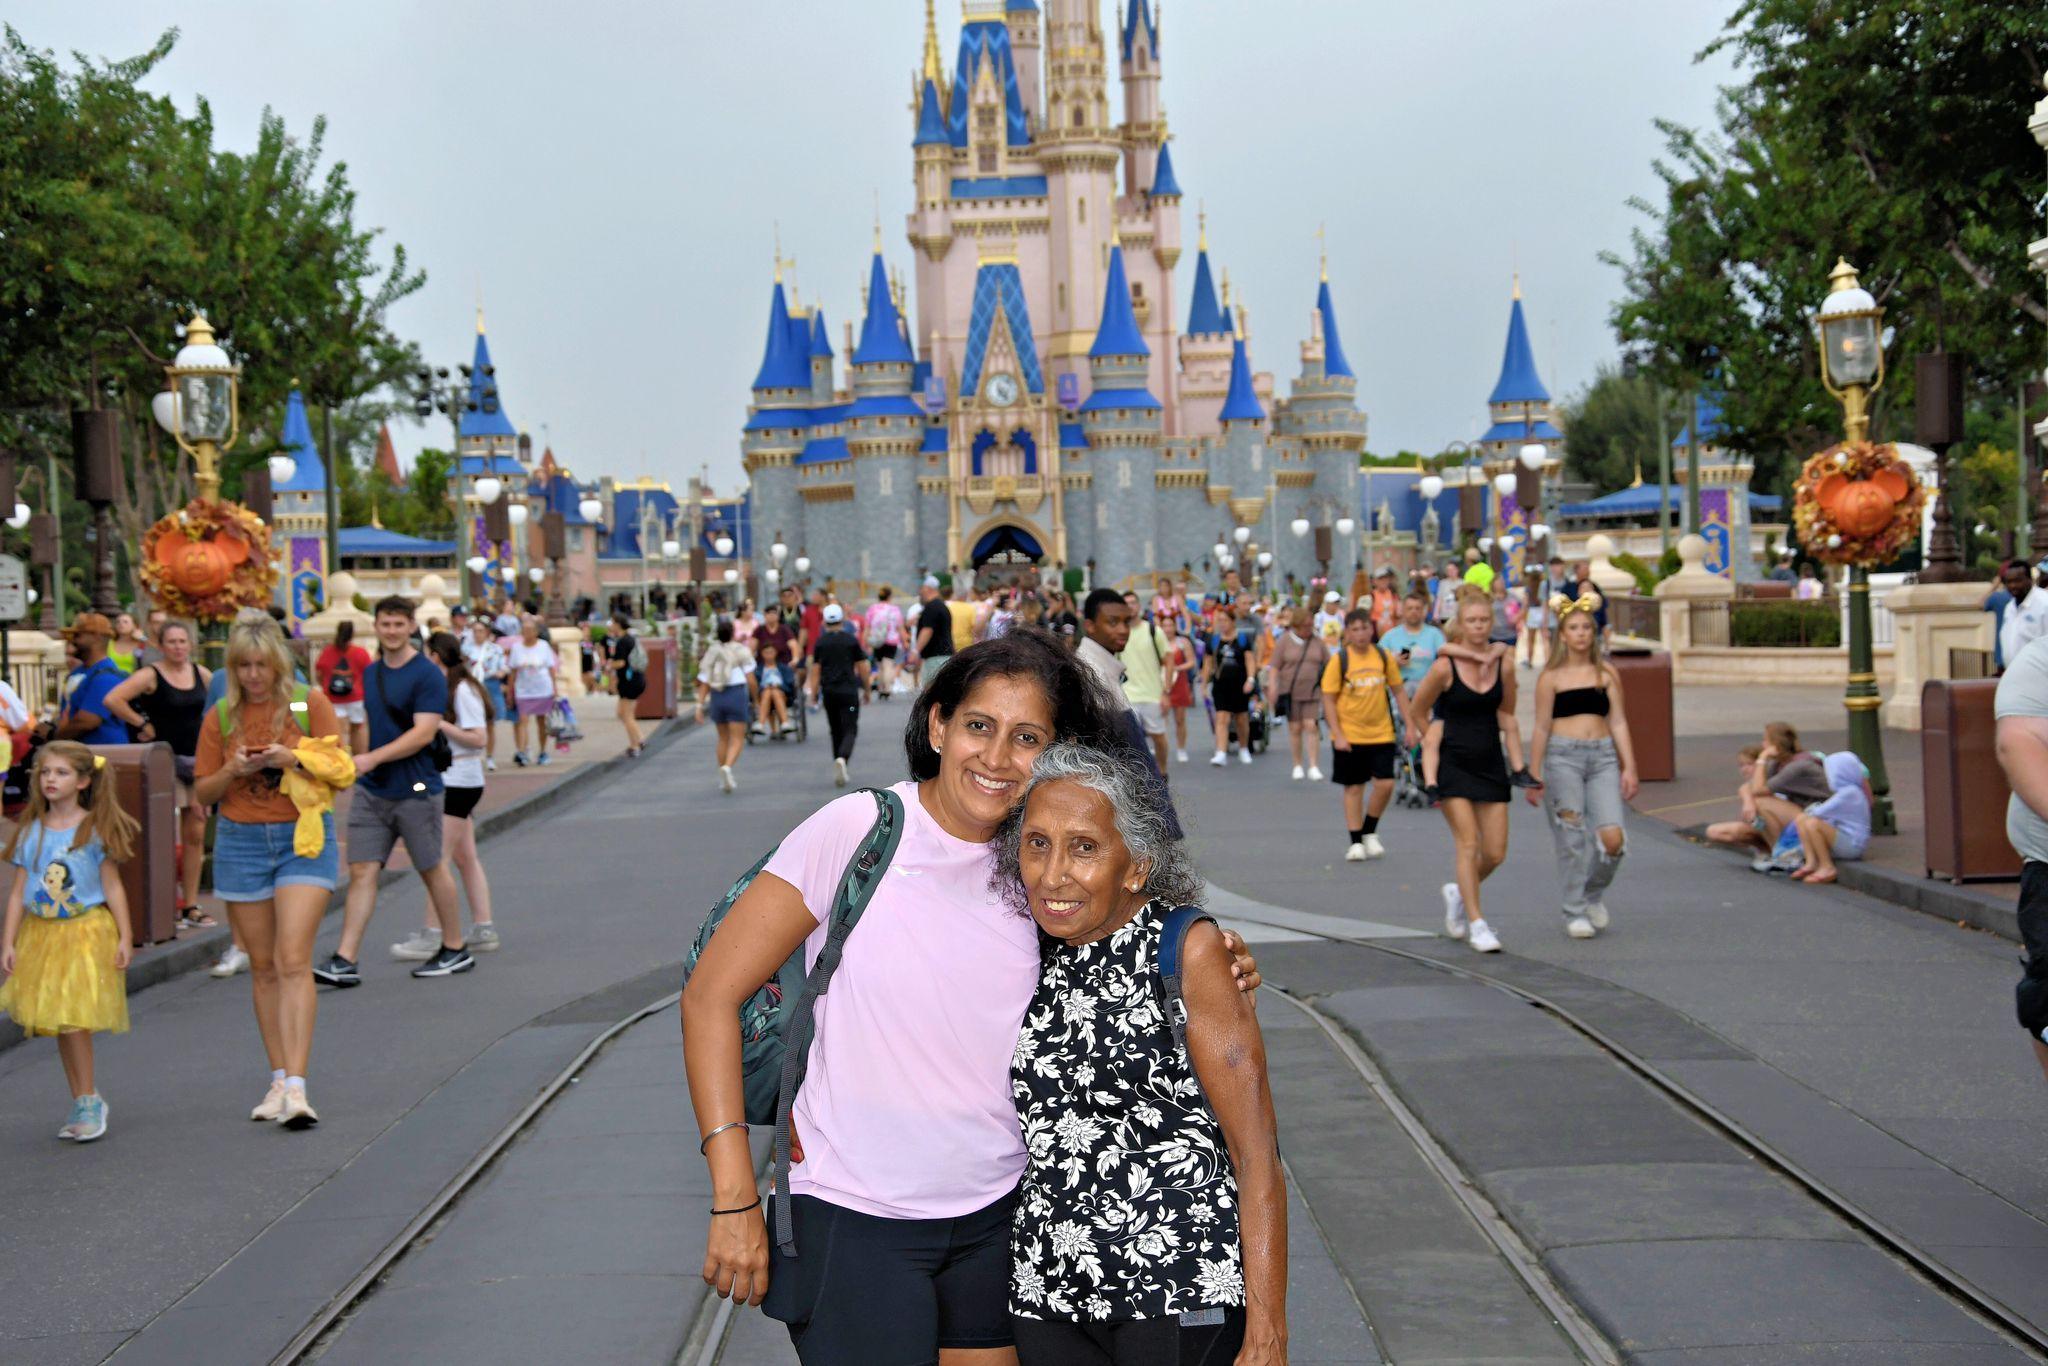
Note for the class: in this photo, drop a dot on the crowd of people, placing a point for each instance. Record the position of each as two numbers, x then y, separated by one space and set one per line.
261 749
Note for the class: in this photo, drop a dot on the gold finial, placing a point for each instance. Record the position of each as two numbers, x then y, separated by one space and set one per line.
778 252
1639 472
1518 284
1323 247
1116 234
375 520
934 68
878 222
1842 277
1202 217
1226 287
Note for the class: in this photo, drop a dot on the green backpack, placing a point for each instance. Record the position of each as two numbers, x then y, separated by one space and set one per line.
777 1022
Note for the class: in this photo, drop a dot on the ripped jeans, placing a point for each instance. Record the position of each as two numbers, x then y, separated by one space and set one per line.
1582 796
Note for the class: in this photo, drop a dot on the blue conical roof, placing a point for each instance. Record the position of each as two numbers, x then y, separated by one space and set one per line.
1140 19
1118 335
821 339
486 414
1241 404
931 123
1333 349
1205 318
784 363
297 439
1163 181
1518 381
881 334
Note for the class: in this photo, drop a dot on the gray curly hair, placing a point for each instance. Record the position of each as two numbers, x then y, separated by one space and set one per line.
1138 801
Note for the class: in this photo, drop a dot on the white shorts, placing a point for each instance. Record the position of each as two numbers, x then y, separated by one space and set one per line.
1151 716
352 712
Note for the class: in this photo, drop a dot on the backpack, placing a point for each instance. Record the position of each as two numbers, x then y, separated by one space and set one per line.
298 710
777 1022
341 679
637 659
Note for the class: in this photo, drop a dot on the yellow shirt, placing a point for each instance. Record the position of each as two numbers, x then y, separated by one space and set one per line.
1362 692
963 623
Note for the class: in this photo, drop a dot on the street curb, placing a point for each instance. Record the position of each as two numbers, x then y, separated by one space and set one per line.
1929 896
204 949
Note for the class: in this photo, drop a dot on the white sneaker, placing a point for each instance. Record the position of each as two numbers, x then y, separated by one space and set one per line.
231 962
1315 775
1580 927
272 1104
1596 915
1218 759
839 773
296 1112
422 945
1483 939
490 765
482 939
1298 773
1180 756
725 778
1355 854
1454 911
1244 756
1373 847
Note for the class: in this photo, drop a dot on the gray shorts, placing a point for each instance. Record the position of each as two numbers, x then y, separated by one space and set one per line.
376 824
1151 716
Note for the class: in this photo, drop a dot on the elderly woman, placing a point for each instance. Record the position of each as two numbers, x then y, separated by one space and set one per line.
1151 1224
909 1184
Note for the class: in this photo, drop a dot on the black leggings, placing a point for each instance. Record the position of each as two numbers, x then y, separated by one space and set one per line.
1130 1342
842 715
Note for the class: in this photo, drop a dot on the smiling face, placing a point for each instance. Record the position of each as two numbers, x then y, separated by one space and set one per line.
986 749
1110 627
394 631
1079 877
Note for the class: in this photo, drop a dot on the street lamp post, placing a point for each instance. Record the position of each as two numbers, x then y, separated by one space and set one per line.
207 385
434 390
1852 369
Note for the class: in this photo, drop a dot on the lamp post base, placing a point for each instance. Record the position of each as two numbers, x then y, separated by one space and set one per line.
1861 700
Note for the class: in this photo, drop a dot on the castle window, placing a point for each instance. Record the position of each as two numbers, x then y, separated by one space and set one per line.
1061 290
1080 116
1138 293
1081 209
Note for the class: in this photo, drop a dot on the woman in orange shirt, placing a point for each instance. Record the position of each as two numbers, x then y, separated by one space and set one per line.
275 895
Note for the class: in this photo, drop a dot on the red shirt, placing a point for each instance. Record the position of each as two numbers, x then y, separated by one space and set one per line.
814 626
332 661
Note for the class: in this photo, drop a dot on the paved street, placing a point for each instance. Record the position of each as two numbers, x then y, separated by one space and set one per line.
1868 1047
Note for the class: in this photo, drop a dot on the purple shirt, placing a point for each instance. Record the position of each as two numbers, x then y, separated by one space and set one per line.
905 1112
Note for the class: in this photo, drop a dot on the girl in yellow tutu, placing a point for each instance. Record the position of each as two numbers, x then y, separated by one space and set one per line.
65 942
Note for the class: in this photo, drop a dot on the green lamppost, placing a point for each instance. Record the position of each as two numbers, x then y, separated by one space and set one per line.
1852 368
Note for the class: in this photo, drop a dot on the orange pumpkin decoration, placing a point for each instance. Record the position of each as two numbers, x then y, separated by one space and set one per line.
1863 507
200 569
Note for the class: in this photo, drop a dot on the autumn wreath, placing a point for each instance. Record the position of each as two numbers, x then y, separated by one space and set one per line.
1857 504
208 560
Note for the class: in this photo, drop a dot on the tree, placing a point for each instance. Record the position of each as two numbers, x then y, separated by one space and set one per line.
1611 430
122 218
1890 132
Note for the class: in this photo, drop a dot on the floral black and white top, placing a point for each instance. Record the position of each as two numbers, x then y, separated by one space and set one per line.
1128 1208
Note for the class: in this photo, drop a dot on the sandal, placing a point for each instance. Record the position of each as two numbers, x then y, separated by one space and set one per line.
195 918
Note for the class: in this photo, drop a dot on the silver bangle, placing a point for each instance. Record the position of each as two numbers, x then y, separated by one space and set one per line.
736 1124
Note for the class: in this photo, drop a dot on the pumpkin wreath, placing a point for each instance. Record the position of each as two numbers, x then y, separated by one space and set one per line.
208 560
1857 504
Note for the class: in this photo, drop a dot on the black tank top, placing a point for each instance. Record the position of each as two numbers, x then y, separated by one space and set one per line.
1462 703
1579 702
175 712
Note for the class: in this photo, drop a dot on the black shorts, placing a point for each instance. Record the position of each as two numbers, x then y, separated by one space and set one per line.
631 683
1227 691
2031 996
1362 764
1132 1342
868 1291
460 801
882 652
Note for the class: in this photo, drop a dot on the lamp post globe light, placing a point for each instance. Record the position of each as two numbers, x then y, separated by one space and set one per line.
1222 551
803 565
476 564
1299 526
535 575
1852 368
488 488
206 383
1241 534
1533 455
591 508
517 514
779 551
671 549
1346 525
282 468
724 546
1504 483
732 576
1431 487
1265 559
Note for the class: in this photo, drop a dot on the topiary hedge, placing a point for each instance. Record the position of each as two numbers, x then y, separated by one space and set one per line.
1771 622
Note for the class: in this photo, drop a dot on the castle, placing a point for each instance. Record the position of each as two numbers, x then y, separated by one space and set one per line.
1048 408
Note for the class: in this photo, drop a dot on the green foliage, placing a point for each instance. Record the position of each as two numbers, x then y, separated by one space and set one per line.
1782 623
1891 132
1611 430
1668 563
1398 460
121 218
1645 577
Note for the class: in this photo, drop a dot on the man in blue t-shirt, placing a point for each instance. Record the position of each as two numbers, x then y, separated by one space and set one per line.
1413 641
84 715
398 795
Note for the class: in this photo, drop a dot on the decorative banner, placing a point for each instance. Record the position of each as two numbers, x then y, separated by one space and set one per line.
1716 530
1070 391
307 558
1857 504
934 396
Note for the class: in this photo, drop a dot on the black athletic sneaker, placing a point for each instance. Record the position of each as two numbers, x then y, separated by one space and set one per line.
446 963
337 972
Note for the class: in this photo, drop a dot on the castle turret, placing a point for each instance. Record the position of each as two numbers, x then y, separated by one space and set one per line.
1144 129
298 514
879 432
1519 405
1023 19
778 421
1123 422
1319 434
1205 351
821 358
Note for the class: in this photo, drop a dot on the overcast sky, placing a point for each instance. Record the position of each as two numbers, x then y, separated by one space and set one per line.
608 176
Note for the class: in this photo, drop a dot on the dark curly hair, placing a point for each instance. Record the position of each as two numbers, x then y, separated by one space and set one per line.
1080 708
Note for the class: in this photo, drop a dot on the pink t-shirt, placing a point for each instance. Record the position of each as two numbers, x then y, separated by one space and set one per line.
905 1112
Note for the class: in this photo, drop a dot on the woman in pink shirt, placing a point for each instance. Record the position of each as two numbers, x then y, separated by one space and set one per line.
885 640
905 1177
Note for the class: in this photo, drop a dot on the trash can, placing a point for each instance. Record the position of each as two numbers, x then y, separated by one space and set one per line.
658 703
1646 693
145 784
1963 788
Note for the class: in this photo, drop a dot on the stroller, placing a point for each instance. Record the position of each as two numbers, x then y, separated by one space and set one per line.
1259 730
1408 789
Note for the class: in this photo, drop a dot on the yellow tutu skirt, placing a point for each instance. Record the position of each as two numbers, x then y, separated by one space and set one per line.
64 976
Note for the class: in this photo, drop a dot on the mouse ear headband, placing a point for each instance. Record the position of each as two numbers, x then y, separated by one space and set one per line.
1588 601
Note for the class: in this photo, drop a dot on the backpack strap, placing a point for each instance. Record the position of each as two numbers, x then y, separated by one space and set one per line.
301 713
1173 938
864 873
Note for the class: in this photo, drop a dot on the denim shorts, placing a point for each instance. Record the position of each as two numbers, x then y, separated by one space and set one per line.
250 862
729 706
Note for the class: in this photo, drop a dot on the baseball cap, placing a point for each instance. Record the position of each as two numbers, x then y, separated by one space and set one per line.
1333 596
834 614
931 581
